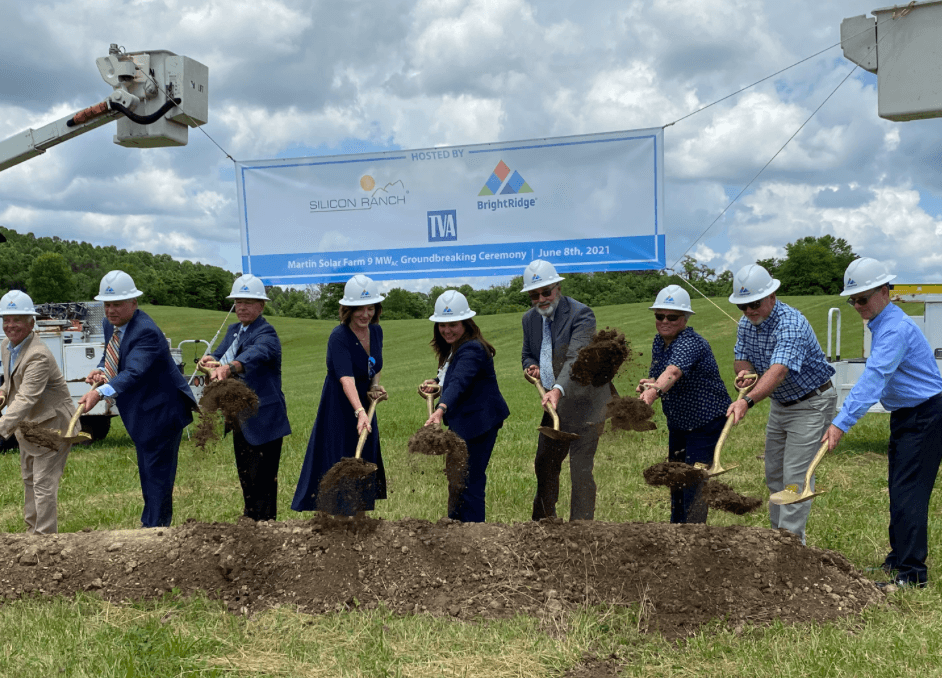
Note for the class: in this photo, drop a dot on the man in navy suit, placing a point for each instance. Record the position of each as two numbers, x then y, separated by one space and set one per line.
251 351
137 372
554 330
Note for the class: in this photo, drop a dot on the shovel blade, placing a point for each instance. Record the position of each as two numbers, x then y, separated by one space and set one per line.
790 495
557 435
348 488
80 437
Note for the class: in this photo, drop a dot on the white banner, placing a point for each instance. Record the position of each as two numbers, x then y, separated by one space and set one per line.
584 203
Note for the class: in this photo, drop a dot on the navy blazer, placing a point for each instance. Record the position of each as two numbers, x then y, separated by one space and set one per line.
470 392
573 328
153 398
259 353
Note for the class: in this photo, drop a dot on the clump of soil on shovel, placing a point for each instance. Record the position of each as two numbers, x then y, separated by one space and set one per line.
724 498
39 435
599 361
674 474
231 397
630 414
348 487
433 441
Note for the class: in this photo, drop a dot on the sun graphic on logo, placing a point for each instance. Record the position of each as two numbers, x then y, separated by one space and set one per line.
367 183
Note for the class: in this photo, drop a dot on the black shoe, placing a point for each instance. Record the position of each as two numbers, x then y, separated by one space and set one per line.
900 584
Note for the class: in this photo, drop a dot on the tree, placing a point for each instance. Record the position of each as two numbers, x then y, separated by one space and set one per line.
815 265
50 279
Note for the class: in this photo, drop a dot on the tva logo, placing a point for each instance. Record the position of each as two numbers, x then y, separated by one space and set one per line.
442 225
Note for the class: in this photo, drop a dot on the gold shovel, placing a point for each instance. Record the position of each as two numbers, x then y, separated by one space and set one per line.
716 468
554 432
790 494
70 435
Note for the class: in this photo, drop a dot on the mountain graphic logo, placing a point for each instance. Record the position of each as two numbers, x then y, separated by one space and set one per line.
743 291
851 283
515 184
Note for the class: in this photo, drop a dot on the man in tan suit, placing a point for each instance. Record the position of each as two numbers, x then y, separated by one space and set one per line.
33 390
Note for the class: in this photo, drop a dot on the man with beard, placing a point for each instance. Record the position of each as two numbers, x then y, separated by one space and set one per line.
776 342
554 330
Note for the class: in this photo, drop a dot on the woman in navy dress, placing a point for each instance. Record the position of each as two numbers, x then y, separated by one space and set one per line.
685 376
354 363
470 403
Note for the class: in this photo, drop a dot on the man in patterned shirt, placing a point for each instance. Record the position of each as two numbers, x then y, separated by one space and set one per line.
901 372
776 342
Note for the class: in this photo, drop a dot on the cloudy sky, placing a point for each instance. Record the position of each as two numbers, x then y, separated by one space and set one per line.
293 78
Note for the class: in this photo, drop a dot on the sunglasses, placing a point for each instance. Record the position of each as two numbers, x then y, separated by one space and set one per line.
753 305
547 292
861 301
673 317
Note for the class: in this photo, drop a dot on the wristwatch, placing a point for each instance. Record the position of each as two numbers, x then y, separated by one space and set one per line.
749 402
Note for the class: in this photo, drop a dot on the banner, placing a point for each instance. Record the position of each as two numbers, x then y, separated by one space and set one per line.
584 203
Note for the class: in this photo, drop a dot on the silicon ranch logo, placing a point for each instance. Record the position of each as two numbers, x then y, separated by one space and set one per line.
503 182
391 194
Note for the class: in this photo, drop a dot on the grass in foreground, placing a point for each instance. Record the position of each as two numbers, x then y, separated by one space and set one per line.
197 637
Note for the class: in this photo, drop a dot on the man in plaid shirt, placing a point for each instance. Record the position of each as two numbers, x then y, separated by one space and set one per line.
776 342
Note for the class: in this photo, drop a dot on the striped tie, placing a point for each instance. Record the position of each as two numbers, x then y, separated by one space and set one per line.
546 356
111 355
233 347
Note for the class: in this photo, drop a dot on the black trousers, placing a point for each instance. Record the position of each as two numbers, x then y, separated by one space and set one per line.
258 473
548 464
690 447
914 454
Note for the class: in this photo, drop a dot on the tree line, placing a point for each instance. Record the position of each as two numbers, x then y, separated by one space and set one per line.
56 270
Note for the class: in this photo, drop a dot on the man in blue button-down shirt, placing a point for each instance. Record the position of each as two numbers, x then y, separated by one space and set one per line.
776 342
903 375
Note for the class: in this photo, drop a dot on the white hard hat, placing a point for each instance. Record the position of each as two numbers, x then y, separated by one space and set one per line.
248 287
864 274
16 302
751 283
539 274
360 291
117 286
450 306
673 298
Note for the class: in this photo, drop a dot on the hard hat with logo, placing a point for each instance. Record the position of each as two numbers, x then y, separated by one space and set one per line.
117 286
673 298
248 287
865 274
539 274
751 283
450 306
16 302
360 290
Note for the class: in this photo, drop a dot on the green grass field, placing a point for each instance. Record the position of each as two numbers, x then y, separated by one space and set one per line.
174 637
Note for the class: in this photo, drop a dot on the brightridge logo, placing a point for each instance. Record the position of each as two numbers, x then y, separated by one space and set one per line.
669 300
535 278
364 294
851 283
110 290
245 288
442 225
447 311
12 304
743 291
516 183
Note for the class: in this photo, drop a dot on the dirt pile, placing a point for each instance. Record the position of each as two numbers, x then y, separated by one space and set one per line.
233 399
599 361
677 576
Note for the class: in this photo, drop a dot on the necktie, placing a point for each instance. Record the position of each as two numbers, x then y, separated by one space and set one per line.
233 347
546 356
111 354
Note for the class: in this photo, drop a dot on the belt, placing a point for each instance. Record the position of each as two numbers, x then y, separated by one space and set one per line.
813 392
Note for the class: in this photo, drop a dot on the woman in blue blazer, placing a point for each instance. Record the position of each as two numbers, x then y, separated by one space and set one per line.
470 402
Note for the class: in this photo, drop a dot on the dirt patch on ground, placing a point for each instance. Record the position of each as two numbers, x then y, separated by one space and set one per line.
676 576
233 398
630 414
599 361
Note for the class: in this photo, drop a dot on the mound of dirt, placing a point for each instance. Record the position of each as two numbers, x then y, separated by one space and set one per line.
233 398
599 361
674 474
630 414
677 576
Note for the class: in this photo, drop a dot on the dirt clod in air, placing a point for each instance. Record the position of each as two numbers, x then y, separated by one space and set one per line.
40 435
434 441
630 414
724 498
348 487
673 474
599 361
233 399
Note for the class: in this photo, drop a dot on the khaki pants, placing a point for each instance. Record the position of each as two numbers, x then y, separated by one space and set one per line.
41 470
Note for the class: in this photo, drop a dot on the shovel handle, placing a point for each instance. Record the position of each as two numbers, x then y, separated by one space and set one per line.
365 432
814 464
542 391
729 422
207 369
70 432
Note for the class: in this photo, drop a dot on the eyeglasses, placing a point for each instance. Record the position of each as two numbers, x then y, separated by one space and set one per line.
545 292
673 317
753 305
861 301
